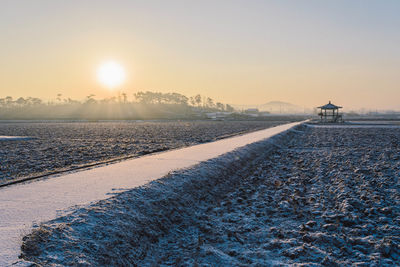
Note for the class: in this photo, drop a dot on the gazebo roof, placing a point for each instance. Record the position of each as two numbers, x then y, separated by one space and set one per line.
329 106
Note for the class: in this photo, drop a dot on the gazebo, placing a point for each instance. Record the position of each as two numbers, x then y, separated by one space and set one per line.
330 113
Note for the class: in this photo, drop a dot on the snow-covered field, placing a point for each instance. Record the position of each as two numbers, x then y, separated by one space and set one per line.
314 196
22 205
62 146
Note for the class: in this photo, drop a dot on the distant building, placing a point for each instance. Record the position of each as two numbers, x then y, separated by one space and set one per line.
252 111
264 114
330 113
218 115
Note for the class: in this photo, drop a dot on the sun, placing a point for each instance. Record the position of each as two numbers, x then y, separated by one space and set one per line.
111 74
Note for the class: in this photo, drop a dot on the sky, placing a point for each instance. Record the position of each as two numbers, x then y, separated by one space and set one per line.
305 52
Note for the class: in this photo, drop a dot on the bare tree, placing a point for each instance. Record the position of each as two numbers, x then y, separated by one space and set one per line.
210 102
197 98
21 101
220 106
124 98
229 108
59 97
192 101
90 99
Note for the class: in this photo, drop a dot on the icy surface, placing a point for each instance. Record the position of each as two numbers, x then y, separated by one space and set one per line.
357 125
25 204
13 138
311 197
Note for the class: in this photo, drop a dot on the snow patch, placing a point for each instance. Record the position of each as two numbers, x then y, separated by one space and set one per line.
349 125
14 138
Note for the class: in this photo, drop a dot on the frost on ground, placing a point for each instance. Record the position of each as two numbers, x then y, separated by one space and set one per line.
14 138
64 146
313 196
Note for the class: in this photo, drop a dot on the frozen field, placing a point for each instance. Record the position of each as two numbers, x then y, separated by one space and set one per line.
64 146
317 196
30 203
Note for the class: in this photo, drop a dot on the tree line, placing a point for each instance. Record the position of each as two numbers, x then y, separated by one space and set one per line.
143 97
143 105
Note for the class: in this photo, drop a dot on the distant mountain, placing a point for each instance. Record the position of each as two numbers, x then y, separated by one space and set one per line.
280 107
276 107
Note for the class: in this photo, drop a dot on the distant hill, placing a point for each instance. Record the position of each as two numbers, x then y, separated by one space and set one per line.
276 107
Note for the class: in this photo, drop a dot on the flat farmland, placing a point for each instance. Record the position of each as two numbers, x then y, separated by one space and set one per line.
63 146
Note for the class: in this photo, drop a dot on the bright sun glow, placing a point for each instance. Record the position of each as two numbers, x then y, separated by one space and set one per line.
111 74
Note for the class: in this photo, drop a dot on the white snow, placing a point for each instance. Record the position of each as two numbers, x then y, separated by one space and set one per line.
23 205
12 138
366 125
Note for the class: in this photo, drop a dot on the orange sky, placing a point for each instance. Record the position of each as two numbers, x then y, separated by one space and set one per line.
238 52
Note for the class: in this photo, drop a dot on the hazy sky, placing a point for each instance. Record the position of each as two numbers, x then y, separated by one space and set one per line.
241 52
